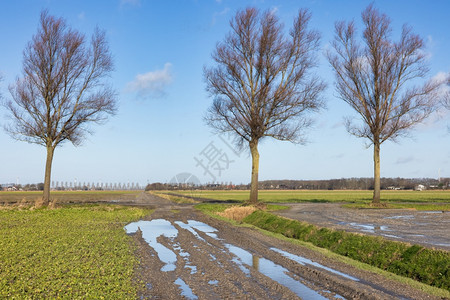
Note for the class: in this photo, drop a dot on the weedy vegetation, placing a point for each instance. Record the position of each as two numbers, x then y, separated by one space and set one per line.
70 252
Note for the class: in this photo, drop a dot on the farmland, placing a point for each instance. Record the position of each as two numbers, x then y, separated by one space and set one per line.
394 198
81 250
68 196
77 251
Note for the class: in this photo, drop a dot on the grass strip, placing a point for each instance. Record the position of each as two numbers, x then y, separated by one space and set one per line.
323 196
425 265
70 252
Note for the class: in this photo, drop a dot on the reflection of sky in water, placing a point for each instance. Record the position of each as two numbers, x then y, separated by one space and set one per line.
273 271
301 260
185 289
193 225
153 229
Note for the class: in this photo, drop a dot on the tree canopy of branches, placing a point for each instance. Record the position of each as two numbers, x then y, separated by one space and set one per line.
262 83
375 77
447 94
62 90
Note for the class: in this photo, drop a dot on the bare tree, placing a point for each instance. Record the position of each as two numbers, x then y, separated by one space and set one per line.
262 82
62 89
376 79
447 94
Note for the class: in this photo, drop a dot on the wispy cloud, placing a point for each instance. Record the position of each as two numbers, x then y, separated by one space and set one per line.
152 84
405 160
219 14
338 156
274 10
435 120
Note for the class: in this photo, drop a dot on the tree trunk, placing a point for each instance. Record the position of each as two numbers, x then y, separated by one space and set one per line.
376 174
48 171
255 171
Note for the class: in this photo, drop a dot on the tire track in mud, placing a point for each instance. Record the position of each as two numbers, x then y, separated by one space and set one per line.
241 263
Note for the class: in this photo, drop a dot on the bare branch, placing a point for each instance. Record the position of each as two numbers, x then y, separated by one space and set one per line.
62 90
62 87
376 77
262 81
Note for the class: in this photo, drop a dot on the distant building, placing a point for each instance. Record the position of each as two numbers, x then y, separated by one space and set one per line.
419 187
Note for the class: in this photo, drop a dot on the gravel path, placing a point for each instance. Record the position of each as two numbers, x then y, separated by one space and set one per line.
184 254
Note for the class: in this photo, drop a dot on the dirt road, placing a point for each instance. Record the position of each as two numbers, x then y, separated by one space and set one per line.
427 228
185 254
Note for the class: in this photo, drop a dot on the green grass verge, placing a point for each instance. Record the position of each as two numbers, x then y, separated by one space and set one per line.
428 266
441 293
70 252
322 196
211 209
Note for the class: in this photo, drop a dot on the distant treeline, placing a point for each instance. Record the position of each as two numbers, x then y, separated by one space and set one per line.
328 184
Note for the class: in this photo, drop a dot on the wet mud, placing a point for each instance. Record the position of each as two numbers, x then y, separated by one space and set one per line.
426 228
184 254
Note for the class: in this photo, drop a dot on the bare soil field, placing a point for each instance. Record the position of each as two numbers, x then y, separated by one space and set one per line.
427 228
185 254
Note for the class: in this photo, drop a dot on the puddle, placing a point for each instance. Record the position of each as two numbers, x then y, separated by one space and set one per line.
205 228
273 271
405 217
153 229
335 296
193 269
391 236
304 261
366 227
192 226
185 289
441 244
213 282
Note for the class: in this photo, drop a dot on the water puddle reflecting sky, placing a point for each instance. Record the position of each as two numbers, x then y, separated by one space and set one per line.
273 271
372 228
185 289
304 261
153 229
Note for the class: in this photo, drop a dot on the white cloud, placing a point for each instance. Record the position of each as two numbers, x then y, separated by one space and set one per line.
274 10
81 15
152 84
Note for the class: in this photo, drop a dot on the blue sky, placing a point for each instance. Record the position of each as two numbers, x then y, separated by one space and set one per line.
160 48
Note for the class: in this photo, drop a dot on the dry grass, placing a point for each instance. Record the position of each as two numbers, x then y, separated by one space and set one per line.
237 213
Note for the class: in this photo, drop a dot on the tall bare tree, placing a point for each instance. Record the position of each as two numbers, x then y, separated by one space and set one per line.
376 78
62 90
447 94
262 82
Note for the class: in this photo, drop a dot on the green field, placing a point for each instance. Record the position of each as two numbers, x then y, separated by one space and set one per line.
424 200
287 196
68 196
71 252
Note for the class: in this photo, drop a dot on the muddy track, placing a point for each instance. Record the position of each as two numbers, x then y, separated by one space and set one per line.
426 228
185 254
